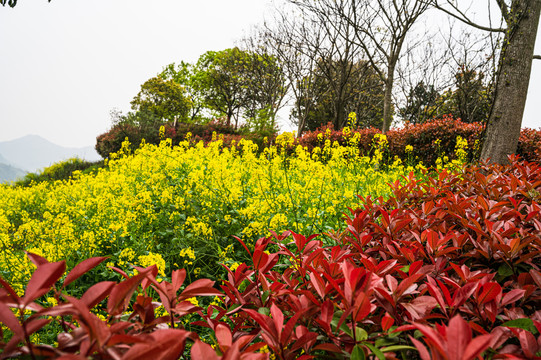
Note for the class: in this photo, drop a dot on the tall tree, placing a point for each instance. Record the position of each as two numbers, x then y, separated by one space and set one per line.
265 88
222 83
165 99
520 20
313 45
294 44
379 27
420 104
187 75
363 94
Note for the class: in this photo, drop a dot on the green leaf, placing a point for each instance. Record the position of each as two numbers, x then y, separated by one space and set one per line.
360 334
526 324
376 351
264 311
357 353
505 270
397 348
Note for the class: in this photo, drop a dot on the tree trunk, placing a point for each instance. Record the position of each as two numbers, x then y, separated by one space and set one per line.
504 123
388 101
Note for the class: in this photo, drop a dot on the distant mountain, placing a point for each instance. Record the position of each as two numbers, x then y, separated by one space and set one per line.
9 173
32 153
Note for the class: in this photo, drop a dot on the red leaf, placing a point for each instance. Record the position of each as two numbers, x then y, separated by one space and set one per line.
477 346
303 340
202 351
232 353
96 293
121 294
9 319
82 268
8 288
166 344
528 343
386 322
328 347
42 280
260 259
201 287
36 259
489 292
318 284
423 352
223 335
177 278
266 324
458 335
362 306
512 296
98 330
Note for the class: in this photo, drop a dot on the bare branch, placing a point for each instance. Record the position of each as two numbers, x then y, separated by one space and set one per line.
459 15
537 57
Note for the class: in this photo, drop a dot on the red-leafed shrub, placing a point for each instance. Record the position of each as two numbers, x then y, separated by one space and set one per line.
455 256
529 145
429 140
111 141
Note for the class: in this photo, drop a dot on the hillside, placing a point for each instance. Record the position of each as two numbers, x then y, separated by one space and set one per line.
32 153
10 173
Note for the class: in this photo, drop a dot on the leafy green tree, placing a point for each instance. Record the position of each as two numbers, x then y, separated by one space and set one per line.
164 99
236 83
189 76
221 81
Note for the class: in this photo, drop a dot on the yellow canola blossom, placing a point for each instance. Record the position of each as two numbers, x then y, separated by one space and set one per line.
146 206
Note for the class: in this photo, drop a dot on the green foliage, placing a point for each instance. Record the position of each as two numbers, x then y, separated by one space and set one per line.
469 100
236 82
63 170
421 104
330 101
162 99
188 76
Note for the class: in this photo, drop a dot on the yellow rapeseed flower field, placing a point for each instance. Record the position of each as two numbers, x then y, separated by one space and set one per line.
150 205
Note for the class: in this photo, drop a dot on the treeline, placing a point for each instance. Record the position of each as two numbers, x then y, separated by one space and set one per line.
375 58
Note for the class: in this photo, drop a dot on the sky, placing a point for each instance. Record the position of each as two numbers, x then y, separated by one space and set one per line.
66 64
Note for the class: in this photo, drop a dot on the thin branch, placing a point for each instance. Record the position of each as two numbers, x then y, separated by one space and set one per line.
462 17
537 57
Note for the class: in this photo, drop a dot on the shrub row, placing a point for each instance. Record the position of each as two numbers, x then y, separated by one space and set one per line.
444 269
430 140
111 141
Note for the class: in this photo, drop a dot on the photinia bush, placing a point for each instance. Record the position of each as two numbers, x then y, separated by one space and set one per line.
446 268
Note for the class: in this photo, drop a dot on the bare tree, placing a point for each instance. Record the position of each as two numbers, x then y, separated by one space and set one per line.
285 40
309 46
379 27
449 72
519 20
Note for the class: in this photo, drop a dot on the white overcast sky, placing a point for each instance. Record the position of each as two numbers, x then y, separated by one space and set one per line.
64 65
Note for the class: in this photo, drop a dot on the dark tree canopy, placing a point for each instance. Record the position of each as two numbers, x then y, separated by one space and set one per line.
362 93
11 3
